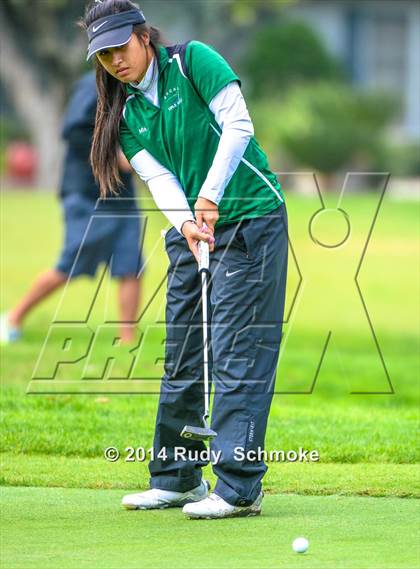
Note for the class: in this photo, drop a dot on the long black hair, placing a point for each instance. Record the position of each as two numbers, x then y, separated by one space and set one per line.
111 99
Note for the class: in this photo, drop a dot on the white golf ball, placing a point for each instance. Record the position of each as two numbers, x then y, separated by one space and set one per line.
300 544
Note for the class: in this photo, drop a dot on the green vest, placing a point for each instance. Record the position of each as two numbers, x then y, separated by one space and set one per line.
183 134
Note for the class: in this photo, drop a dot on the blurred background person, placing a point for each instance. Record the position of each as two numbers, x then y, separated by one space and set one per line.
113 239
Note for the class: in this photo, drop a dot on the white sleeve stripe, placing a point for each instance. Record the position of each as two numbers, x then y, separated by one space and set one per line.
178 60
125 106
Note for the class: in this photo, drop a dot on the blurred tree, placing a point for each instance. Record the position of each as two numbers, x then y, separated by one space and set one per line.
286 54
250 12
325 126
41 56
239 20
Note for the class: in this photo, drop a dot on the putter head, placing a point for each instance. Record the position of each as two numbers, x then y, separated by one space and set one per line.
198 433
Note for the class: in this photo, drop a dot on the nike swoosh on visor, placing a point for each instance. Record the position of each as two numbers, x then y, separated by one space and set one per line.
100 26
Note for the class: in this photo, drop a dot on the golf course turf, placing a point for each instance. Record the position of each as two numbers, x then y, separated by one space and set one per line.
67 528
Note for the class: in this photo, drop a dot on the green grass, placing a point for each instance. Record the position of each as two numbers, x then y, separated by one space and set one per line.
368 444
83 426
362 479
66 528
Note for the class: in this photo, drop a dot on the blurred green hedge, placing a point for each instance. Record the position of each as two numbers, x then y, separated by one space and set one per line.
325 126
285 55
399 159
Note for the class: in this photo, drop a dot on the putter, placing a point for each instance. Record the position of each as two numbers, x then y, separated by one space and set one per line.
203 433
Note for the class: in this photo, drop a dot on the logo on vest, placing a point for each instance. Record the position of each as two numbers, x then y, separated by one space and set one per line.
143 130
172 98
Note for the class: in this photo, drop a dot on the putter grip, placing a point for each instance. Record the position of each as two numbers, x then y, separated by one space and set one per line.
203 256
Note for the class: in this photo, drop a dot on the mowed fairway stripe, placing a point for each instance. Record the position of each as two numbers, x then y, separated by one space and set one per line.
363 479
73 528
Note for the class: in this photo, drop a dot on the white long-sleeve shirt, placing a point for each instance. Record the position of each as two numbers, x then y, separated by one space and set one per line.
231 114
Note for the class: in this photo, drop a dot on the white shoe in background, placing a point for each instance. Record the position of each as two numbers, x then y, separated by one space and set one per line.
8 332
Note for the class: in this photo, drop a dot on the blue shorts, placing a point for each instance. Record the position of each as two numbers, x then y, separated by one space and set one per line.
95 235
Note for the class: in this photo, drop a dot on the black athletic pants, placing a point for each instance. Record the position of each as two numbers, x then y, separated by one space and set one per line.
246 306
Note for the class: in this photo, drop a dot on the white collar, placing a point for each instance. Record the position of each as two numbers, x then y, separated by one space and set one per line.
146 83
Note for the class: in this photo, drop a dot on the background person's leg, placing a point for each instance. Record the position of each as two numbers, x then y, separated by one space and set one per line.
248 296
181 396
77 211
127 266
128 301
44 285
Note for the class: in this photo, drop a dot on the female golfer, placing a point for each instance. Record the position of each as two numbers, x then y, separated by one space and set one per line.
181 120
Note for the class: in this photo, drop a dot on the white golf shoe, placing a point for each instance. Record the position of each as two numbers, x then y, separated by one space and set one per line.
214 507
156 499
